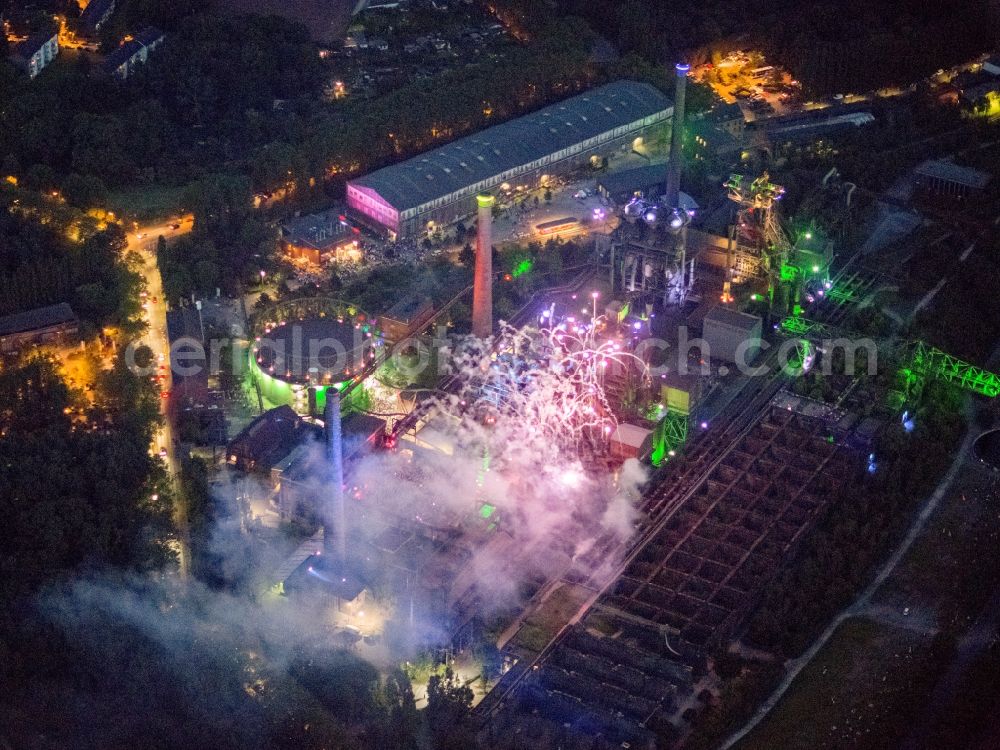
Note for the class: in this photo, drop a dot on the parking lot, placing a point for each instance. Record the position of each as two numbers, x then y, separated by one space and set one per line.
761 90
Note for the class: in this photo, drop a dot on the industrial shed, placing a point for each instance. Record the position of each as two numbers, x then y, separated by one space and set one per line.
439 187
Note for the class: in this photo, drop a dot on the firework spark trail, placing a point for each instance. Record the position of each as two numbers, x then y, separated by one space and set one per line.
542 389
514 430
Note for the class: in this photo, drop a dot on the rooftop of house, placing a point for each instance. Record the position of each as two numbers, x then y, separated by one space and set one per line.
32 44
37 319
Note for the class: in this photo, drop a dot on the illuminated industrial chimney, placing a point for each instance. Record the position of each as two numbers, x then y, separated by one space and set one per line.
676 163
482 289
334 516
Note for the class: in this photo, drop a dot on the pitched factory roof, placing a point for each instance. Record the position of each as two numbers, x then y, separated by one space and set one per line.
951 172
514 144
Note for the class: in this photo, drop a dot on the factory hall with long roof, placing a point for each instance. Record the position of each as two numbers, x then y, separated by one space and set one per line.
439 187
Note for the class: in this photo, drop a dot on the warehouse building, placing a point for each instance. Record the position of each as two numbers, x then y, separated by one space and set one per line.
945 178
439 187
731 336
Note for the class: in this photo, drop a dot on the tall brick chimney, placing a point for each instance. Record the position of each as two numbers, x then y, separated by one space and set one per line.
482 290
676 163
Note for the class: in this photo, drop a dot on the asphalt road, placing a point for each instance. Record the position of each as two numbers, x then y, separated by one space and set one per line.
143 241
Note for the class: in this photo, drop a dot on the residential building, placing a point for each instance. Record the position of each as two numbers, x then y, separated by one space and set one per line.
35 52
43 325
96 14
131 53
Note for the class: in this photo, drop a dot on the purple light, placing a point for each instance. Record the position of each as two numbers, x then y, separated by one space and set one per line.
637 325
704 425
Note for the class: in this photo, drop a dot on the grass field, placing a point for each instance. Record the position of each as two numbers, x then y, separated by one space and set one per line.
950 570
860 691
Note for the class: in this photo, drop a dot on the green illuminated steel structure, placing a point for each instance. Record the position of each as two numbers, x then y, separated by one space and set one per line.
756 226
796 325
929 362
669 436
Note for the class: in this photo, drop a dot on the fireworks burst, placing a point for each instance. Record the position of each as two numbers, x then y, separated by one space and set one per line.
503 451
537 390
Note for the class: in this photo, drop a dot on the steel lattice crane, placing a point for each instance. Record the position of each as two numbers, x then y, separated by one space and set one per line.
929 362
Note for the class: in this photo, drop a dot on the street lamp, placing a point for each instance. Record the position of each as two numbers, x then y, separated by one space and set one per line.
594 296
262 274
